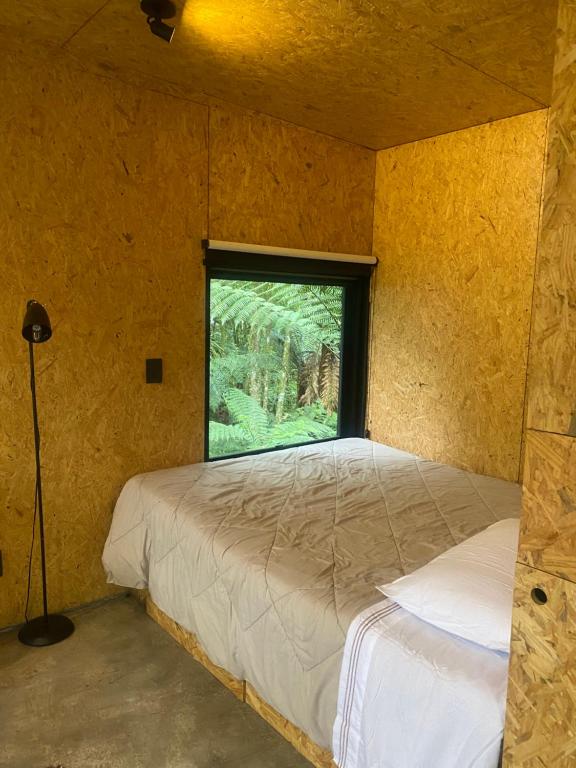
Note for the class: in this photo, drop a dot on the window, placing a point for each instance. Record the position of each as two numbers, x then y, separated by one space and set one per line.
286 352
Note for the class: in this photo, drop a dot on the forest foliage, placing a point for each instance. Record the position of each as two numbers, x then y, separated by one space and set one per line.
274 364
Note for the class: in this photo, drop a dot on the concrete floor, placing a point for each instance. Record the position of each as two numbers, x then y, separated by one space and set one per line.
120 693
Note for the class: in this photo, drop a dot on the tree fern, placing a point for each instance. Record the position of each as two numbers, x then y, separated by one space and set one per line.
299 430
239 303
248 413
227 438
274 363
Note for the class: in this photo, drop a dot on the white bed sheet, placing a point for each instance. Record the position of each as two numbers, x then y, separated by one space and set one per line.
414 696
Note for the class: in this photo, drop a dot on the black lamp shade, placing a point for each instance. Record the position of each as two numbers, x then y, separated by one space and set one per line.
36 326
158 9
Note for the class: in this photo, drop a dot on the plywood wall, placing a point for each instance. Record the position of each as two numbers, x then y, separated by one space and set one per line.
542 687
103 204
277 184
552 374
375 73
101 224
455 230
548 531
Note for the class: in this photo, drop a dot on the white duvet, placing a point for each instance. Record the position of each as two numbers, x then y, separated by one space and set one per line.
414 696
267 559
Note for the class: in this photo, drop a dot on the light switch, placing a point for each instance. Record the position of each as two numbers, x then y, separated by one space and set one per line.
154 370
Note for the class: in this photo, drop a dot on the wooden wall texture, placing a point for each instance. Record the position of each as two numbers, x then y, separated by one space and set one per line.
103 203
292 192
552 373
541 713
541 725
378 74
455 230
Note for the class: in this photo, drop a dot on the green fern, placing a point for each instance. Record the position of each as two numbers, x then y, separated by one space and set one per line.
227 438
274 364
246 412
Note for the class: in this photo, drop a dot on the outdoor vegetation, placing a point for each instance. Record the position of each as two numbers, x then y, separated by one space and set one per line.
274 364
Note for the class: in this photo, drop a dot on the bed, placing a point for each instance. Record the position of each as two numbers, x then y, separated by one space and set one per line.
268 559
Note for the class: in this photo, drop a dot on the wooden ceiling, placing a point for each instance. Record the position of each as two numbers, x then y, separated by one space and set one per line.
375 72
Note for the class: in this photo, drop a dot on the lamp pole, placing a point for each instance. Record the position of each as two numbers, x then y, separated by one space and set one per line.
38 476
46 629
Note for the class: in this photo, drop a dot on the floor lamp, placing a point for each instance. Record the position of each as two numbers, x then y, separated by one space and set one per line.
46 629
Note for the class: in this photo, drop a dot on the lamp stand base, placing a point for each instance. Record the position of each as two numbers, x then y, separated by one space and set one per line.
46 630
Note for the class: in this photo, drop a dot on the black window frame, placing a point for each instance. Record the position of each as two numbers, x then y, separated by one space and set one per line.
354 278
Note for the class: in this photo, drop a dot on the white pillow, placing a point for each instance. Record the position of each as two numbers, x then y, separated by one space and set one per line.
467 590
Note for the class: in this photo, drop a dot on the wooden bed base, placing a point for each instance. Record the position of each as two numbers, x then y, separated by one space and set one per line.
320 758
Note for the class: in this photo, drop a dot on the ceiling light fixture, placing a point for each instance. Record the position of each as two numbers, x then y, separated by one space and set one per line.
156 11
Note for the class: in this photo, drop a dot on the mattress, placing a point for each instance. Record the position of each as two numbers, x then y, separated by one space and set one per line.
268 558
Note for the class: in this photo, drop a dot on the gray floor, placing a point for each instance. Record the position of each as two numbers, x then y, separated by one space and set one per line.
120 693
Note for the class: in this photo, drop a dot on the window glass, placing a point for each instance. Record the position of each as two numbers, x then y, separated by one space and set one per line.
275 352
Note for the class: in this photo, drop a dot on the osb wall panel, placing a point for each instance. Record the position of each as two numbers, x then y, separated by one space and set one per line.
102 208
541 709
275 184
552 380
505 44
48 20
455 230
45 43
548 528
375 73
541 715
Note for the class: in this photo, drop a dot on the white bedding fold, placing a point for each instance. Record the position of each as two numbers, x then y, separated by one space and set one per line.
414 696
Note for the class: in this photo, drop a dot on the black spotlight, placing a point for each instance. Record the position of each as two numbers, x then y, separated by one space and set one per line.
156 11
158 28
